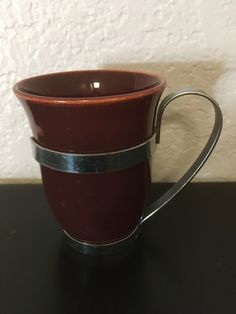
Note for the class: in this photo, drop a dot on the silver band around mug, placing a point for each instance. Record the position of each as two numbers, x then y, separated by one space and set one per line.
93 163
102 249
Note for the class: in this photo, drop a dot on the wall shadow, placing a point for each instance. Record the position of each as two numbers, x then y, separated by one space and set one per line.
186 123
202 74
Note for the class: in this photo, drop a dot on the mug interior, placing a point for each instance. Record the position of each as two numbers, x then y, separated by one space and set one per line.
87 84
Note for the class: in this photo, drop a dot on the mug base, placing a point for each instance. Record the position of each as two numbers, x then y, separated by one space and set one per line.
101 249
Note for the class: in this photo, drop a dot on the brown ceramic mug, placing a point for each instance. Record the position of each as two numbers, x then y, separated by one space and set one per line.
94 133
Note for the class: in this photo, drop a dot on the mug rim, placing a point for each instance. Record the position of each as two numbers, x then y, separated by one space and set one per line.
106 99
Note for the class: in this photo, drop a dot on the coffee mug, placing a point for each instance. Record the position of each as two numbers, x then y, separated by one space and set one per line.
94 133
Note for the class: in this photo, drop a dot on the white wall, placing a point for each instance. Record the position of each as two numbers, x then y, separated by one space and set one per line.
191 43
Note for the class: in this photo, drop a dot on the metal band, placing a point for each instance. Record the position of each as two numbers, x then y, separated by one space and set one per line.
93 163
102 249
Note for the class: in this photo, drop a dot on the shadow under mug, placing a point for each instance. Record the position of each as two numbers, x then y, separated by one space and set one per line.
94 133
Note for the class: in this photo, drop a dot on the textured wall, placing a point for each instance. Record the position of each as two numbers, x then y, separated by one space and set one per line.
191 43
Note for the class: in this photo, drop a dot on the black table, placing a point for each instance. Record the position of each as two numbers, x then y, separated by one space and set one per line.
184 261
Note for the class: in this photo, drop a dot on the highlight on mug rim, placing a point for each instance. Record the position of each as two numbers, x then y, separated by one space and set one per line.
89 87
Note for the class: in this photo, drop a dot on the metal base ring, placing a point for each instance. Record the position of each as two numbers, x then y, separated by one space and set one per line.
101 249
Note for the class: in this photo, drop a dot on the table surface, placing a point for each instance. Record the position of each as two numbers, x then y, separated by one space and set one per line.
183 262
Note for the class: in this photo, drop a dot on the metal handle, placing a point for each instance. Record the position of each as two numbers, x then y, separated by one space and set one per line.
164 199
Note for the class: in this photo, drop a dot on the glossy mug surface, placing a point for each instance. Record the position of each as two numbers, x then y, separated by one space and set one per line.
94 112
100 112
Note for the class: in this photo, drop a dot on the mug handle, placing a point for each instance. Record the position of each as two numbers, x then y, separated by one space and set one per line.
201 159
